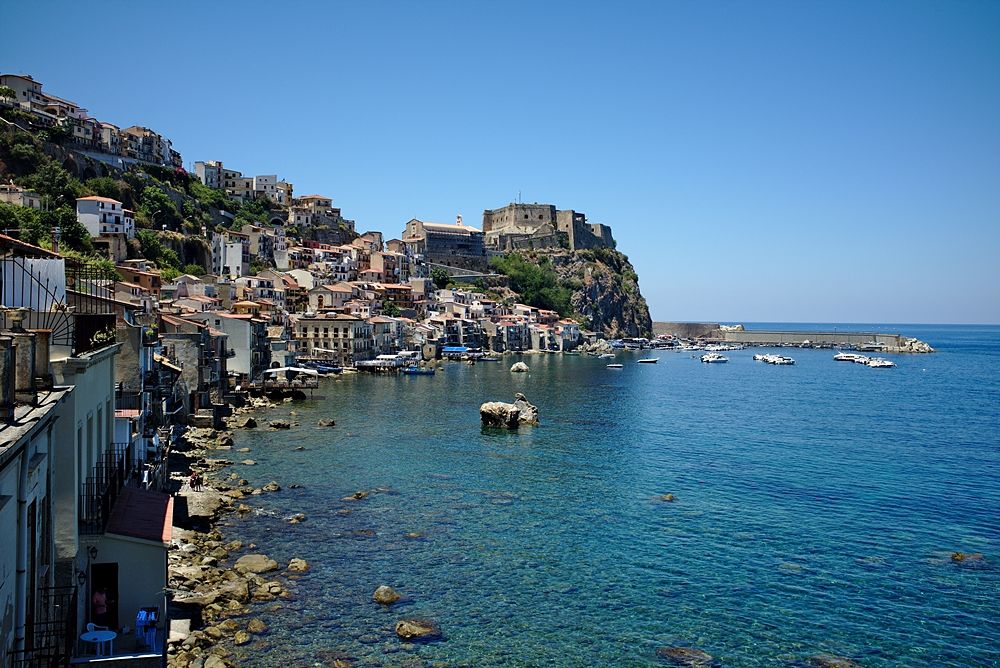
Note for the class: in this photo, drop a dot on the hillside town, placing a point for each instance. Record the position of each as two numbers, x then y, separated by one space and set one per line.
107 358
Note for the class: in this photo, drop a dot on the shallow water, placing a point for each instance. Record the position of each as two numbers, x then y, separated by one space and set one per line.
816 509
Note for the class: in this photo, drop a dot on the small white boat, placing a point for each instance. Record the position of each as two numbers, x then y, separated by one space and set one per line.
849 357
616 366
714 358
607 356
649 360
880 363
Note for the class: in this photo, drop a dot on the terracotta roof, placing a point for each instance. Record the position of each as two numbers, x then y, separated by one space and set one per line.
144 514
95 198
10 243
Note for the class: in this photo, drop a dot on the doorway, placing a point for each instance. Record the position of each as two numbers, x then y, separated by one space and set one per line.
105 576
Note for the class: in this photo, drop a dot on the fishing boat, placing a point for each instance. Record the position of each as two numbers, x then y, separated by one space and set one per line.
417 371
649 360
616 366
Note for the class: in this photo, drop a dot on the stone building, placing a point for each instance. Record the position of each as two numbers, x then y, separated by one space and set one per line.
453 245
520 226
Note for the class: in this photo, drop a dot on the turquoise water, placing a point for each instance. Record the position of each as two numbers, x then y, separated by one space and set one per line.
816 510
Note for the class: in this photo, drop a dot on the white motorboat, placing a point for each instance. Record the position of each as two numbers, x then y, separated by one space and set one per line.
714 358
880 363
616 366
849 357
649 360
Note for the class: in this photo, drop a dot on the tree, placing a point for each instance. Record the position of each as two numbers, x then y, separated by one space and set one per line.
440 277
156 207
152 249
55 183
193 269
537 284
390 309
7 92
73 233
105 186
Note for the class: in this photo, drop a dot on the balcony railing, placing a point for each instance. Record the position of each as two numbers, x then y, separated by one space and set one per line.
113 470
128 400
49 640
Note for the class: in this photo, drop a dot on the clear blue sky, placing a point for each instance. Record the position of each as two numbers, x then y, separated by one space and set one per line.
782 161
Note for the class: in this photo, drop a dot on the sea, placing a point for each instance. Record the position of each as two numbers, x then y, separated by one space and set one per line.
816 511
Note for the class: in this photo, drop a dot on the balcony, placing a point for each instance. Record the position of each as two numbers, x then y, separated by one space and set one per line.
114 469
49 640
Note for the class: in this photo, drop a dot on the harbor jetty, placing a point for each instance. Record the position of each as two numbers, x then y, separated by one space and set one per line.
739 335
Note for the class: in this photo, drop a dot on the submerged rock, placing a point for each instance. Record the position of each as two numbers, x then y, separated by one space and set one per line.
326 422
417 629
519 367
669 498
256 626
279 424
970 559
831 661
245 423
385 595
687 656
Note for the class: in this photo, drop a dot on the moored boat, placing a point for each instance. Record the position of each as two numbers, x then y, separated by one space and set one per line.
616 366
417 371
649 360
714 358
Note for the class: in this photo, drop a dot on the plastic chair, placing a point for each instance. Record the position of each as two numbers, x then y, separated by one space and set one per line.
91 627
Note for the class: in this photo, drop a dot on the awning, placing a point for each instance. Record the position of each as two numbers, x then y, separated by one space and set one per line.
455 349
298 369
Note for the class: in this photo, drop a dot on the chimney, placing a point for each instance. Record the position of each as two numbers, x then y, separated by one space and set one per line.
6 380
43 375
24 367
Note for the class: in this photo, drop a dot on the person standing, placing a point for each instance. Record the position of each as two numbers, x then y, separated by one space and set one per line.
99 606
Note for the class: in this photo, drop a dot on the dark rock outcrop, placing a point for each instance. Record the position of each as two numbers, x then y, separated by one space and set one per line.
508 416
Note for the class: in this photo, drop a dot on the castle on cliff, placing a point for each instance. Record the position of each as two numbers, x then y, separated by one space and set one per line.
519 226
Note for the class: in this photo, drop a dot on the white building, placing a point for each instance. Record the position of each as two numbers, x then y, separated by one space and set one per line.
104 216
230 257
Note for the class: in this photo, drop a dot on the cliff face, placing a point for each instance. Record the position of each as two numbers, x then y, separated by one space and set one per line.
605 291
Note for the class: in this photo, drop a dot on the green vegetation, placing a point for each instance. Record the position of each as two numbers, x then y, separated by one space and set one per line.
255 211
153 249
35 227
7 92
391 310
193 269
537 284
441 278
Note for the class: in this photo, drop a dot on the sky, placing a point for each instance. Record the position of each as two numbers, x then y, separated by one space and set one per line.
757 161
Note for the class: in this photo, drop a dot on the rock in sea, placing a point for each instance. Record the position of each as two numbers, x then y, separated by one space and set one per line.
279 424
687 656
519 367
508 416
326 422
385 595
417 630
255 563
831 661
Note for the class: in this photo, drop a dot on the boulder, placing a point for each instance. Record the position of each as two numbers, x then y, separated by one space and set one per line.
529 412
256 626
272 487
241 638
385 595
279 424
499 414
413 630
245 423
519 367
970 560
255 563
296 565
669 498
508 416
686 656
297 518
326 422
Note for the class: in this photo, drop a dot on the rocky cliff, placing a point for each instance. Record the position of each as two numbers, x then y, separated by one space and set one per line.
605 290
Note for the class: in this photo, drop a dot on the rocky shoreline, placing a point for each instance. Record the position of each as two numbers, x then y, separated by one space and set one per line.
214 597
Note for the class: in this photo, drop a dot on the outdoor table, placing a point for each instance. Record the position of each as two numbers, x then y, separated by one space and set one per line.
99 638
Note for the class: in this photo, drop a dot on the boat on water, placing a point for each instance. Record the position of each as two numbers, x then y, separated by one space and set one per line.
607 356
616 366
774 359
417 371
649 360
850 357
880 363
489 359
714 358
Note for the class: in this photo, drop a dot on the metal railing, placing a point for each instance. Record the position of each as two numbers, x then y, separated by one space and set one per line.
128 400
98 493
51 637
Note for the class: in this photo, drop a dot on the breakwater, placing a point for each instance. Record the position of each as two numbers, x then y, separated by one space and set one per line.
831 338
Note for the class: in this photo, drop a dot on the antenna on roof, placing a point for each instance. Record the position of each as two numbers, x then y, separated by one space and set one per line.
518 196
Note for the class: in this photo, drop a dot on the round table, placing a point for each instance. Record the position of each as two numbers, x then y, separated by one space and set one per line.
99 638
